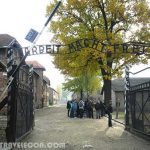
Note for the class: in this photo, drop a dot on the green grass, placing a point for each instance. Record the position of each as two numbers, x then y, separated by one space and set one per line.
120 115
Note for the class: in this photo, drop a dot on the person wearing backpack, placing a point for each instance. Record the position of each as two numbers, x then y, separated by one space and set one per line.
90 109
81 108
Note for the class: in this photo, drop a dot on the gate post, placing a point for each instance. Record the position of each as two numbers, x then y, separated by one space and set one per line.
32 91
10 130
127 96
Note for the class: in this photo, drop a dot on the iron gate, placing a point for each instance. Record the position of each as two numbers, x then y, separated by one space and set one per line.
20 109
139 112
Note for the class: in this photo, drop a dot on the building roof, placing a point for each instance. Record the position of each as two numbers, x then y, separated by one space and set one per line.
5 40
35 73
118 84
46 79
53 90
36 65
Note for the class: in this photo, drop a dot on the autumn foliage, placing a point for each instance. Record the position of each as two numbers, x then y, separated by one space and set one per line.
109 21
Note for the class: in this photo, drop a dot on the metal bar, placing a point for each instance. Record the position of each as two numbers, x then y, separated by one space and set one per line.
115 120
139 71
52 14
143 113
3 102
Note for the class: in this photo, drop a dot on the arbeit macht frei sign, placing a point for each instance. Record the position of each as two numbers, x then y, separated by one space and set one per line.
132 47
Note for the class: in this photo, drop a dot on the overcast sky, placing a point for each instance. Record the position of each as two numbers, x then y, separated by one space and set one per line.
19 16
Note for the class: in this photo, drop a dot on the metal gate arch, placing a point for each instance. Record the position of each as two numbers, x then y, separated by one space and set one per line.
139 112
21 116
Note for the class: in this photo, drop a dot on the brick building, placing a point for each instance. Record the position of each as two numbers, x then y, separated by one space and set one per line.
41 84
46 85
53 96
38 83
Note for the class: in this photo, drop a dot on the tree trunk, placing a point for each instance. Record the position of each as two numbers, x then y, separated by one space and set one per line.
107 79
81 94
107 91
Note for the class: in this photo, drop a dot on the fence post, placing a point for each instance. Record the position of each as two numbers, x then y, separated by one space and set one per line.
10 130
127 96
32 93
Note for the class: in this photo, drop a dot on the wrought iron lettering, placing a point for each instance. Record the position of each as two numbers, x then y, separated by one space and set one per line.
132 47
79 44
34 50
95 44
72 47
41 49
86 42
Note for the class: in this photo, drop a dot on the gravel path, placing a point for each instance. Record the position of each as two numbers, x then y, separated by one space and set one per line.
53 126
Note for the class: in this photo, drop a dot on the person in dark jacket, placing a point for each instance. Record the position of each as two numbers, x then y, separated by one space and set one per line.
98 109
103 110
69 107
81 108
71 110
90 109
78 111
85 108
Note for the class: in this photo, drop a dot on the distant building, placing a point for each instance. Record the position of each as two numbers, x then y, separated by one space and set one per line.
46 85
50 96
38 83
118 87
53 96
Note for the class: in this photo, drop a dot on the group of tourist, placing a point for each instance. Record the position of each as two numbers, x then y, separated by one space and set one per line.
80 109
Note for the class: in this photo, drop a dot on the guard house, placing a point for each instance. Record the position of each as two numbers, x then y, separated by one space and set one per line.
5 42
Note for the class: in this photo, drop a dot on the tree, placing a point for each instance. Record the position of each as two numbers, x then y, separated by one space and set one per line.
84 84
111 22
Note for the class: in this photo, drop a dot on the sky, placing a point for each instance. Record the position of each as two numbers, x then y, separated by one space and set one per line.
19 16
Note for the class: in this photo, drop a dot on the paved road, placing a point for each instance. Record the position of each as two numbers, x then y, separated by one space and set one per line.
53 127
